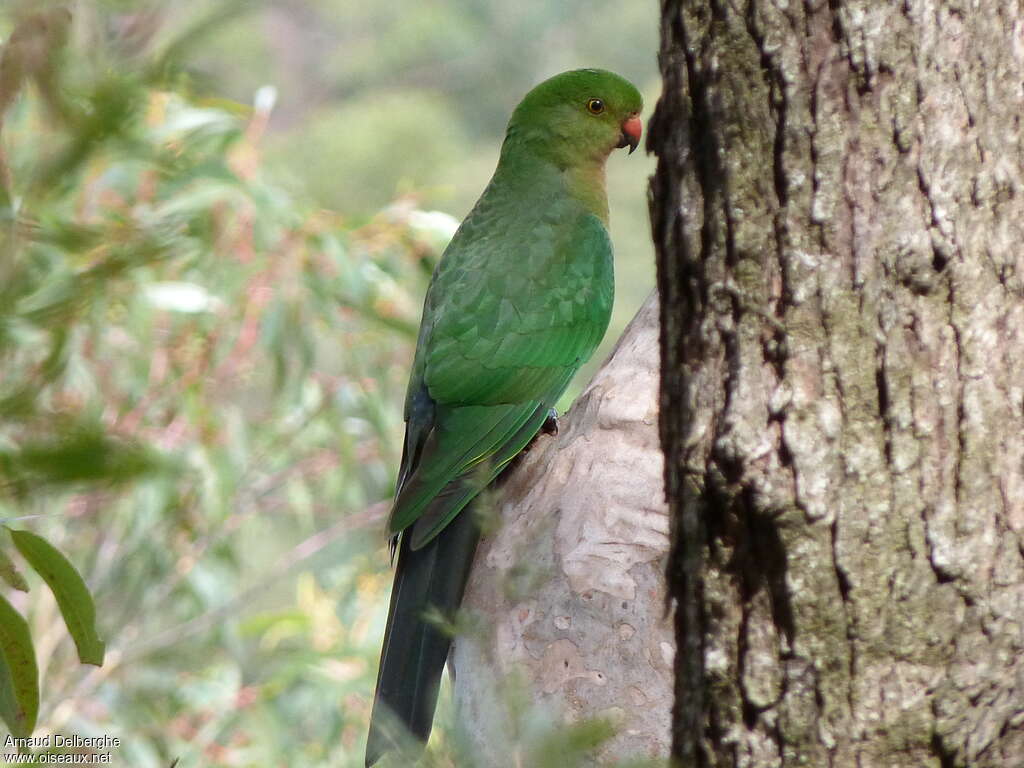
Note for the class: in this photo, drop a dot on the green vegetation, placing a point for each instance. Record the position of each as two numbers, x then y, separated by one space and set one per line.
207 311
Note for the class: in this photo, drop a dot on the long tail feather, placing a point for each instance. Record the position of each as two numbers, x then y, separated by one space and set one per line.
415 650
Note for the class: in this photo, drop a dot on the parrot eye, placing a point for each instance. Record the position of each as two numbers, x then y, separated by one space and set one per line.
595 106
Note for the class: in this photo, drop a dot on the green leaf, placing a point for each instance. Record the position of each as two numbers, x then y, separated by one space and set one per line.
72 595
8 570
19 677
80 453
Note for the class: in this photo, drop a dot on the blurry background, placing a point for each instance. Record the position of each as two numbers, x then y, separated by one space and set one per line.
217 221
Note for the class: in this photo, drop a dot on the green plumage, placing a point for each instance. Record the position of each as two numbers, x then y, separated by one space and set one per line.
520 299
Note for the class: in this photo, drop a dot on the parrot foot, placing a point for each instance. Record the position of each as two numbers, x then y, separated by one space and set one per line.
550 425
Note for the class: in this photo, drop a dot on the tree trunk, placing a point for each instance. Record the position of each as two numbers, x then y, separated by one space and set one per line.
837 213
569 591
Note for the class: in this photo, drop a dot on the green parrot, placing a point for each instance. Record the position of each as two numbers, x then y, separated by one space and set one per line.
519 300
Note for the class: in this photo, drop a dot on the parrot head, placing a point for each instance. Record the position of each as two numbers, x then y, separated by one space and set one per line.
578 116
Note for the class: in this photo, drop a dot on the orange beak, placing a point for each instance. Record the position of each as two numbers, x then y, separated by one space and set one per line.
632 129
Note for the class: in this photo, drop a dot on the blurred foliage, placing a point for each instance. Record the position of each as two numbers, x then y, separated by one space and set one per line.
207 312
384 99
201 391
413 131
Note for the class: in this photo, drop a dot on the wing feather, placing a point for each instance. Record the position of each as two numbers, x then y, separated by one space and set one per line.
492 364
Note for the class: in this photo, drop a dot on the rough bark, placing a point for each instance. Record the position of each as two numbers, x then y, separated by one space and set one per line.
568 592
837 213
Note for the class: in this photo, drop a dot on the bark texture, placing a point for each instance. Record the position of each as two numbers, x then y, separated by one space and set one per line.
837 213
569 592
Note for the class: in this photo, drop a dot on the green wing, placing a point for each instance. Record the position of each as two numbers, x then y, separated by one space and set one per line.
499 344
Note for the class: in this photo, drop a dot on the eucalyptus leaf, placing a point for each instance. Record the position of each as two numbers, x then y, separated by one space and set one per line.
19 676
73 598
82 453
8 570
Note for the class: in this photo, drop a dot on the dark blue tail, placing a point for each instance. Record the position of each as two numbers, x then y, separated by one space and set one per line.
415 650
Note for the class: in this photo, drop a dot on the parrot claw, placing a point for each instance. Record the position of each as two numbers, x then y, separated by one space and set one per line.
550 425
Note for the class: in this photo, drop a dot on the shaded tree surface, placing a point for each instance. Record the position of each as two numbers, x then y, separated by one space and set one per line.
567 595
837 215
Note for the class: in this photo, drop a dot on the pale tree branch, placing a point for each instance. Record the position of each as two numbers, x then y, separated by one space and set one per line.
567 599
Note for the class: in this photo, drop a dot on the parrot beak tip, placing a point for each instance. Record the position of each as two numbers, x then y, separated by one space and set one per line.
631 132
